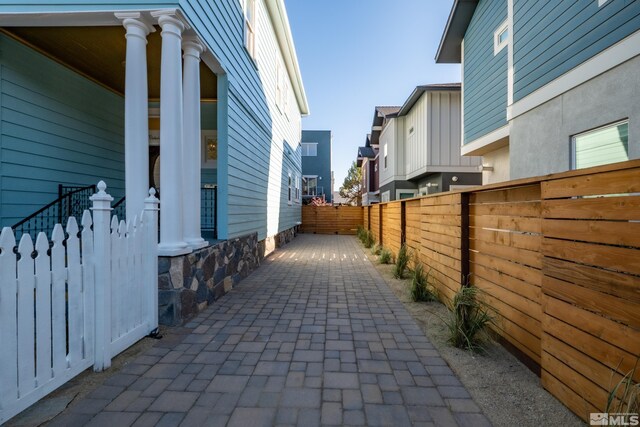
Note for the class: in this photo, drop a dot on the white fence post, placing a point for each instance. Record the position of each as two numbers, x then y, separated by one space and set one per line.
151 256
102 256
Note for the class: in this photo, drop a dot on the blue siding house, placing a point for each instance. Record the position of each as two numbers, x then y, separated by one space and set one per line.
547 86
316 165
94 90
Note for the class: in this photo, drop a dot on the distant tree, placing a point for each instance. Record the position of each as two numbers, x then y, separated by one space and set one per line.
352 186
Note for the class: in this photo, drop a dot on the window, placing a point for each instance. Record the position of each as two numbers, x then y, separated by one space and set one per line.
249 27
290 194
309 149
607 144
385 156
500 37
310 185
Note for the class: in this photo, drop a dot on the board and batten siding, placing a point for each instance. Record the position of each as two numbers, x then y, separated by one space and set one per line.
388 138
553 37
434 142
485 74
55 127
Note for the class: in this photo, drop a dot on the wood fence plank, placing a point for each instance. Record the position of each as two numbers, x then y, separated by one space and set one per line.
26 322
616 182
610 257
88 284
522 209
517 194
58 301
522 224
74 297
616 208
515 255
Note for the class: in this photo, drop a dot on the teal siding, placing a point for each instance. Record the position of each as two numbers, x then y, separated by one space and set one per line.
55 127
552 37
244 121
485 75
321 164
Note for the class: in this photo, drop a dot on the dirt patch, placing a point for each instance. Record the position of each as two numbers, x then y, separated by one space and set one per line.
506 390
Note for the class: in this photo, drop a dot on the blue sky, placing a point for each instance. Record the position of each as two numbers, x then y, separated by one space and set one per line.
356 54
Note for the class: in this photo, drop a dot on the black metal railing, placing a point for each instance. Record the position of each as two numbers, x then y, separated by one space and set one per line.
120 209
208 212
71 201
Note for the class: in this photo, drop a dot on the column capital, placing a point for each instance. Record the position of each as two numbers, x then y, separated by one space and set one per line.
171 20
135 23
192 46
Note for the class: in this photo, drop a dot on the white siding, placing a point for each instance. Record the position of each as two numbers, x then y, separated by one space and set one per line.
388 138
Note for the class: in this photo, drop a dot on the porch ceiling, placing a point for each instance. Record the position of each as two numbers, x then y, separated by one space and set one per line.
100 52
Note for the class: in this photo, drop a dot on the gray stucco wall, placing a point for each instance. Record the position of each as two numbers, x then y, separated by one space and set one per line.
540 140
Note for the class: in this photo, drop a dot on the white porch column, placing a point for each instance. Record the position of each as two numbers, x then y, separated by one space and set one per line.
136 110
191 144
171 170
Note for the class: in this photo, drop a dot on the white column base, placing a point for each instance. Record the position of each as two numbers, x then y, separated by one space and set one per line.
196 244
168 249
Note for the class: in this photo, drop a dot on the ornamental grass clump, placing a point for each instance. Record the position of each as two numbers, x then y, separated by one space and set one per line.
361 234
385 256
421 287
624 397
376 249
402 261
468 319
369 240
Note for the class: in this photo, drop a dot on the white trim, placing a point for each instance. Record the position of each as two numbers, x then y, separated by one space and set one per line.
497 45
489 142
462 93
601 2
609 58
510 52
406 190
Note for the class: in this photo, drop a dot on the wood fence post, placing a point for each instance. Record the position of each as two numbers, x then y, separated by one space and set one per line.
403 223
464 239
102 256
150 245
380 224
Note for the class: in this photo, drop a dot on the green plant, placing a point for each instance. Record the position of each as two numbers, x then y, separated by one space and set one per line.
468 319
421 288
376 249
361 233
369 240
402 260
624 397
385 256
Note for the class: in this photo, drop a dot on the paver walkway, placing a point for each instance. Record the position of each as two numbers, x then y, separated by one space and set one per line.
314 336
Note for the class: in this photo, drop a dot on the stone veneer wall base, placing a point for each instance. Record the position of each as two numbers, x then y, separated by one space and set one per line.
190 283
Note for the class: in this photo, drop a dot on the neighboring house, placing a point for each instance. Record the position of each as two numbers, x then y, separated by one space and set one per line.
94 91
316 165
547 86
420 147
368 164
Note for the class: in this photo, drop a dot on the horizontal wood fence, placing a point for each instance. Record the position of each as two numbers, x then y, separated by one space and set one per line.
558 258
74 303
331 219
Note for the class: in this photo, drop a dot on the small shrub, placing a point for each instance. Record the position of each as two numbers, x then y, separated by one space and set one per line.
624 397
385 256
402 260
376 249
369 240
362 234
421 288
468 319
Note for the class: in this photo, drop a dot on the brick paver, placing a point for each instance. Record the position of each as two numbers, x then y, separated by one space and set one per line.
313 337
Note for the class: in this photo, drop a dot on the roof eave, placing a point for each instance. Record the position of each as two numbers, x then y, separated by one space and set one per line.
280 21
449 51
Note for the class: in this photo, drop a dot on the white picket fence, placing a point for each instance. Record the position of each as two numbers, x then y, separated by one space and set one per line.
76 303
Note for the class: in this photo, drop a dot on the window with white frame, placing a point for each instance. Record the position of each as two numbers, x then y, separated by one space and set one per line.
601 146
309 149
385 156
290 189
249 7
501 37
